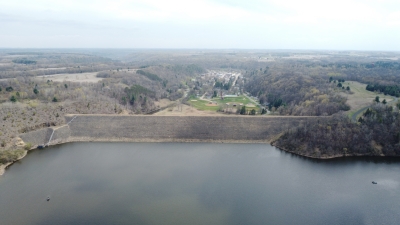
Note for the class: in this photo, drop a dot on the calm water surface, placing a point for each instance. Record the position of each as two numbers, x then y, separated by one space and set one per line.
196 183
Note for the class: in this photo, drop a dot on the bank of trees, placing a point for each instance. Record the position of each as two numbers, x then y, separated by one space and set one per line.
393 90
298 94
23 109
377 133
39 63
166 81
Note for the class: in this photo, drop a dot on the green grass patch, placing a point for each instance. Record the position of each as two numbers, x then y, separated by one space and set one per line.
361 97
10 155
202 104
221 103
240 99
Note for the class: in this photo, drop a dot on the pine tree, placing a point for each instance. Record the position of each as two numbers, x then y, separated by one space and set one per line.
243 110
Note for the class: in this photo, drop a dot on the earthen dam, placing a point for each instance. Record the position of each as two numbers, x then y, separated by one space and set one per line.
111 128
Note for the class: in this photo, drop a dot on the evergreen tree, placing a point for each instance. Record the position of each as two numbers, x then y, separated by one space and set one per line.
243 110
263 111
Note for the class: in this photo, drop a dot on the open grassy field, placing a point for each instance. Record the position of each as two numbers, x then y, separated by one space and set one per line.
218 103
73 77
203 104
361 98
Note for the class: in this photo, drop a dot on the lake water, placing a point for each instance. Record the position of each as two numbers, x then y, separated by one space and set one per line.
196 183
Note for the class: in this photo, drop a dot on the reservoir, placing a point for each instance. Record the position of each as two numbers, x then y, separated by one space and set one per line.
196 183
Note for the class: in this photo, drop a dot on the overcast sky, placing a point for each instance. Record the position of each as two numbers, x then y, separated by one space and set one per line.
239 24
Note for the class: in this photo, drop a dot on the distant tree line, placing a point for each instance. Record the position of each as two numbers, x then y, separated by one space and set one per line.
24 61
149 75
223 85
294 93
393 90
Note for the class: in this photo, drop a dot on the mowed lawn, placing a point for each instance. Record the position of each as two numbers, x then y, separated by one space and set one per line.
204 104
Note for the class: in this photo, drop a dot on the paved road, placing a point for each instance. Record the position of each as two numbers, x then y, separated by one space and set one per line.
358 112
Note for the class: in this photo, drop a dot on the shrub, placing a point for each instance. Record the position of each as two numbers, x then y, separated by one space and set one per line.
28 146
10 156
103 75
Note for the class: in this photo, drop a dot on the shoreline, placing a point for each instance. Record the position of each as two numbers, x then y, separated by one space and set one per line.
3 167
327 157
168 129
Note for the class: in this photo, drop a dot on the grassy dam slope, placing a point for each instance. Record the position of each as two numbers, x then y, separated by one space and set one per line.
239 129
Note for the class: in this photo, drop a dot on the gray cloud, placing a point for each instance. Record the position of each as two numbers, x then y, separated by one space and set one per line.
272 24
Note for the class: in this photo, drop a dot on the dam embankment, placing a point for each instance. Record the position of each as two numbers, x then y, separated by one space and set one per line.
240 129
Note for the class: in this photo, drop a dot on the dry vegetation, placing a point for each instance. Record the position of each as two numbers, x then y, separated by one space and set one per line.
360 97
37 88
77 77
295 92
377 134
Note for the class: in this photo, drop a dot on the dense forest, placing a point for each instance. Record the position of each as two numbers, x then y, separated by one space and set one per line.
291 92
377 134
393 90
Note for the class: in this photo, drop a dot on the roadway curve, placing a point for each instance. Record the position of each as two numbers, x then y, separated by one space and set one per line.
358 112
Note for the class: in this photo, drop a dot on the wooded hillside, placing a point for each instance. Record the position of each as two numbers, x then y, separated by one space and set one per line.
295 93
377 134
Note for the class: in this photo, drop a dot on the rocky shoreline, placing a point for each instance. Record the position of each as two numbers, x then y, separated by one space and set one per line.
214 129
3 167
